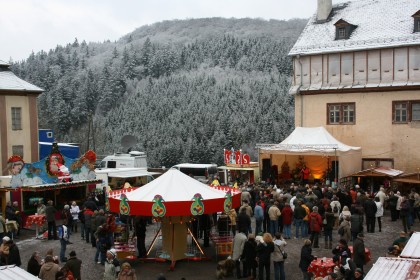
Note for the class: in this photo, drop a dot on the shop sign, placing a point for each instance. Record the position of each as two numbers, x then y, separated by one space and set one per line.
236 157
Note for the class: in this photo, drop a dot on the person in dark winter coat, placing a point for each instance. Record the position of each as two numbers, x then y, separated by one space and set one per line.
264 249
244 221
14 255
34 264
392 203
356 221
359 251
74 265
328 227
370 212
306 258
140 224
298 216
50 216
249 254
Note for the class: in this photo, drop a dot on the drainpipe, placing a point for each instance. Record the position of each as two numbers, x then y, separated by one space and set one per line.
298 90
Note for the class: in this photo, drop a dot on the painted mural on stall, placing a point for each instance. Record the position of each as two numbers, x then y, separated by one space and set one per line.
54 168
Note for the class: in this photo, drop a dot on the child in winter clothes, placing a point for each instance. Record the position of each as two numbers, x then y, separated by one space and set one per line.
127 273
112 265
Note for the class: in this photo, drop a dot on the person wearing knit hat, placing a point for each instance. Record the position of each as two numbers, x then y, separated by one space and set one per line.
112 265
74 265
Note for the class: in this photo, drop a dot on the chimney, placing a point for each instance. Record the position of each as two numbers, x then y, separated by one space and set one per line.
324 10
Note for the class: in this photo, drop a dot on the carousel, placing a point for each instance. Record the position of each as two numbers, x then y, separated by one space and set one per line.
174 200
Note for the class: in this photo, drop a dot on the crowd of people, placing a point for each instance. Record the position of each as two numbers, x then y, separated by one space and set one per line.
317 215
314 213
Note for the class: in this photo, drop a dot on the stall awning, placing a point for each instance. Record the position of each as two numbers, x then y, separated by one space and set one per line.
131 174
15 272
410 178
57 186
378 172
237 168
412 248
394 268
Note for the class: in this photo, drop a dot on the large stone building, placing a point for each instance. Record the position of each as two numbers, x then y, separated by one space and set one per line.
357 73
18 118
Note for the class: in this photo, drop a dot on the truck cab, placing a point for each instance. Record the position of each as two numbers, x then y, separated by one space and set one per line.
200 172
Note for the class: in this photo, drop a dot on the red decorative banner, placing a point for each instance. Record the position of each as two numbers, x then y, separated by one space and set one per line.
236 157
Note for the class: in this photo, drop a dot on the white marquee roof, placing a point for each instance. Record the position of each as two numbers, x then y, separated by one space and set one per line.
380 23
309 140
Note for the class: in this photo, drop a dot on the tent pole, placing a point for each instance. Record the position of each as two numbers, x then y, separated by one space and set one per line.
195 240
153 241
335 168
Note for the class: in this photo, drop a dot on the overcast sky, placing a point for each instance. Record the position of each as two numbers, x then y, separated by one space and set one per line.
35 25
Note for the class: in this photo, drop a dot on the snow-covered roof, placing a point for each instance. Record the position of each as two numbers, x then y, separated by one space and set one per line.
379 171
15 272
9 81
4 63
380 24
394 268
412 248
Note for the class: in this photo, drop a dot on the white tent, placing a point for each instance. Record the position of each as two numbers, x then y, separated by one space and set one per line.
318 148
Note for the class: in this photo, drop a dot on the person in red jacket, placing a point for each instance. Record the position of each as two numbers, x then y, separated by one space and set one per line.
287 216
315 224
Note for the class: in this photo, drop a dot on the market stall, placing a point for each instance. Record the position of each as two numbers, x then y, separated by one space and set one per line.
371 179
394 268
406 182
175 200
238 169
55 178
312 147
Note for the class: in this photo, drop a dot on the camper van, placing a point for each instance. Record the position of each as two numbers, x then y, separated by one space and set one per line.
201 172
133 159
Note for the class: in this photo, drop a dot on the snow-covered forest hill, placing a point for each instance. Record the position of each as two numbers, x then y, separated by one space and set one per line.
186 89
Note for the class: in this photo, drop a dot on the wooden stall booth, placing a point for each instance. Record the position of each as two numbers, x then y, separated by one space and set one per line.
239 168
54 177
405 182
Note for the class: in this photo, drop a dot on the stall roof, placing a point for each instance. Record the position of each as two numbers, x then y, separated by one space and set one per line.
378 171
395 269
412 248
237 168
62 185
15 272
411 178
130 174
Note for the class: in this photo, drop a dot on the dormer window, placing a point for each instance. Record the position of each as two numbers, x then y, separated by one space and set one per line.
342 33
343 29
416 17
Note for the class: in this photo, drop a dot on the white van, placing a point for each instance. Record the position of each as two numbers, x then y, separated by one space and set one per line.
201 172
132 159
115 178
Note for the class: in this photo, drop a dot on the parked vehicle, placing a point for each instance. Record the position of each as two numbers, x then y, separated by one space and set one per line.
201 172
116 178
119 160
